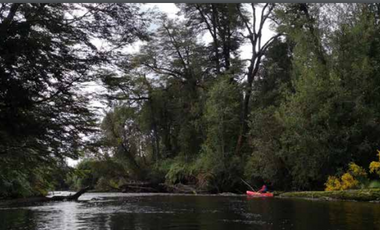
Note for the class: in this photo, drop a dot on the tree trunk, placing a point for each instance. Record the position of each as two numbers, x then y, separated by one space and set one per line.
258 50
252 71
72 197
44 199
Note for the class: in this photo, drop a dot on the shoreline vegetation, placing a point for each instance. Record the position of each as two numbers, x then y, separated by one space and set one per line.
350 195
359 195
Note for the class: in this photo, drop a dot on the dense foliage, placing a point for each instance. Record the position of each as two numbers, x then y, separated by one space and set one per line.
187 108
46 56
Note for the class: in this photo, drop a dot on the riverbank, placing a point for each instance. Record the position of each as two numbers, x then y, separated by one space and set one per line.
365 195
356 195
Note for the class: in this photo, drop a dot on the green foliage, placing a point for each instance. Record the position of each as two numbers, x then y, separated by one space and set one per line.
326 117
355 177
101 174
180 171
222 118
314 103
46 57
15 185
374 184
265 162
32 181
178 108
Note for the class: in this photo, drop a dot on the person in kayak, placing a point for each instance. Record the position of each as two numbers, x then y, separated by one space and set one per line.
263 189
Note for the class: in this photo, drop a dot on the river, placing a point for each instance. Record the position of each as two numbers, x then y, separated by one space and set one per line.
208 212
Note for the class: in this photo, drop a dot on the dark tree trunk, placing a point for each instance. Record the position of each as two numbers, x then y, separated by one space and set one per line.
44 199
72 197
258 50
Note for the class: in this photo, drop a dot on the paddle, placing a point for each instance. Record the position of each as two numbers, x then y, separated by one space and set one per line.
247 184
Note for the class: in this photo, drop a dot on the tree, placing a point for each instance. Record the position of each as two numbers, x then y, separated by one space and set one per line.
46 55
254 36
222 22
328 120
122 134
177 62
218 158
265 130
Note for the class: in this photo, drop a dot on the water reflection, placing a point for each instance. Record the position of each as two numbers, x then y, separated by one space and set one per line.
353 216
145 211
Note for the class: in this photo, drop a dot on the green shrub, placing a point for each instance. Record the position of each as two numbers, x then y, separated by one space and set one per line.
374 184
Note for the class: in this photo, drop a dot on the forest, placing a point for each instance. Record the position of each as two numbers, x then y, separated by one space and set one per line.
187 108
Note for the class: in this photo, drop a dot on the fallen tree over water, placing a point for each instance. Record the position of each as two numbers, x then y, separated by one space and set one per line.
74 197
70 197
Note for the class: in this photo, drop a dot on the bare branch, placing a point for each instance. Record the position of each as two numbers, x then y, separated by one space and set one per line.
246 23
175 44
205 20
250 60
254 18
263 18
267 44
163 70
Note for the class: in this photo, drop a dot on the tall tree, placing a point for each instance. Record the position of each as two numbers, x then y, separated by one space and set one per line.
254 25
181 64
165 83
265 163
47 52
218 158
329 118
222 22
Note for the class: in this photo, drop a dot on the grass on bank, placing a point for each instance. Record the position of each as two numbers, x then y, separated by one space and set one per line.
357 195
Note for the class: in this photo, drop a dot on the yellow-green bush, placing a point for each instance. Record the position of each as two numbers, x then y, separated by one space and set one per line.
333 183
357 171
348 180
354 177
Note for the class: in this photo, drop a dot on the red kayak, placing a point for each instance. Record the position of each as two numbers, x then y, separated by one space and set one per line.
257 194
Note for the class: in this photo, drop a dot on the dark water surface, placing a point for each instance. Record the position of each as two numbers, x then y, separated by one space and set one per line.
149 211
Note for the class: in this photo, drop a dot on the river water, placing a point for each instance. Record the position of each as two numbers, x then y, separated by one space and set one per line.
208 212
